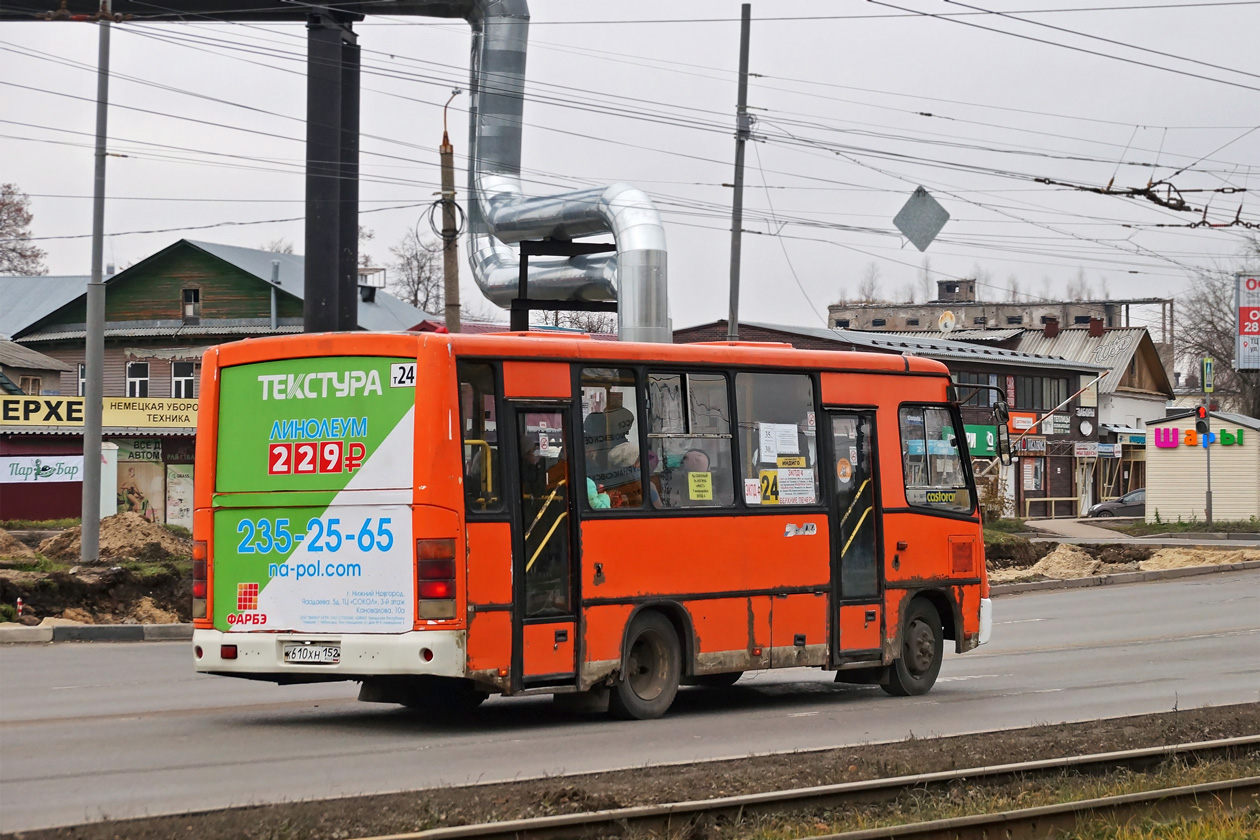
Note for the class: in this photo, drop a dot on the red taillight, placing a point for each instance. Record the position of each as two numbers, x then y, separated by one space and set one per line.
199 589
435 550
435 578
437 589
435 569
199 570
227 651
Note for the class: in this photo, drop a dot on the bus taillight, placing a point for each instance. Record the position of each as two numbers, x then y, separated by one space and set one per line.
199 587
435 578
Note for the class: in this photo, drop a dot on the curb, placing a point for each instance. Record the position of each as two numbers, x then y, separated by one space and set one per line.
97 633
184 632
1123 577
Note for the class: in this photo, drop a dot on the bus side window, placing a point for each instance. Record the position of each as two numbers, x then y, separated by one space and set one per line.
483 476
777 438
610 439
689 441
933 465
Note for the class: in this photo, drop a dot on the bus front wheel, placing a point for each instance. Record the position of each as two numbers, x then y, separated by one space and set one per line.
650 672
922 648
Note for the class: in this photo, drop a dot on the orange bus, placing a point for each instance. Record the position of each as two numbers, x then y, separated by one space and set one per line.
444 517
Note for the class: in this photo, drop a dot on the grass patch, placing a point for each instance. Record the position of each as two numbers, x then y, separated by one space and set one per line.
1214 826
1005 526
39 564
178 530
156 570
1190 526
975 797
38 524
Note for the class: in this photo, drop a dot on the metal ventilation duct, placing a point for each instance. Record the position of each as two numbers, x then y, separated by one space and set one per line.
499 212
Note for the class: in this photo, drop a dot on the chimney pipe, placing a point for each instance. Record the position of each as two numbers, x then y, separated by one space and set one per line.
1052 327
1095 327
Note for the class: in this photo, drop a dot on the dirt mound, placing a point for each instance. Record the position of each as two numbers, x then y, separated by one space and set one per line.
124 536
1178 558
1066 562
160 594
13 548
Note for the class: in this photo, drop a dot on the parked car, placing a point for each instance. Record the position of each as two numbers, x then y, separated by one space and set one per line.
1130 504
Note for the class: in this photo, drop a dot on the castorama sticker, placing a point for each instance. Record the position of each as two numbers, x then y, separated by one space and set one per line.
334 435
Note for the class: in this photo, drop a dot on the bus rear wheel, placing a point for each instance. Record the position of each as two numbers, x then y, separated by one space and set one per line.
650 672
922 649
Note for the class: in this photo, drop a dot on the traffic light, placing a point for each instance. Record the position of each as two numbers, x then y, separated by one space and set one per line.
1201 420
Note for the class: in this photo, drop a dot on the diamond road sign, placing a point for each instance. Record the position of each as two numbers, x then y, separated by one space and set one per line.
921 219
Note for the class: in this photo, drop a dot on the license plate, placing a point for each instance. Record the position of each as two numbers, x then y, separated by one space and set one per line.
313 654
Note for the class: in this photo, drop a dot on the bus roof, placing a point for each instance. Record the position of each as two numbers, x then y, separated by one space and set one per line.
573 347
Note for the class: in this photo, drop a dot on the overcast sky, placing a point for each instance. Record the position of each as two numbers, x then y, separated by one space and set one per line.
853 112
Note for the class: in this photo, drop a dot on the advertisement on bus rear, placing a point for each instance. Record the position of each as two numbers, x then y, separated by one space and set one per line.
325 556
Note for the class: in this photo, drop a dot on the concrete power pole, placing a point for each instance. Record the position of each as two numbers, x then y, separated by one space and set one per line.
450 230
743 128
94 352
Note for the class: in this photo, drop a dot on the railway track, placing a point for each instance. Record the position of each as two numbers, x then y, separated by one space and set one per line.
674 818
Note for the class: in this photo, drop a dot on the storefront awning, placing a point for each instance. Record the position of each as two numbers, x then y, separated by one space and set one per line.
106 431
1122 430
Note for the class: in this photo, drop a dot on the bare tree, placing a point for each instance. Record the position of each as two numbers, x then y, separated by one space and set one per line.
983 278
277 246
926 285
1012 281
906 293
1047 287
1206 324
17 254
365 235
416 273
587 322
1078 288
868 287
1104 291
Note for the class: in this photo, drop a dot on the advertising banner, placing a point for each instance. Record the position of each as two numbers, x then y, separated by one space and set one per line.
1247 335
982 440
20 410
336 559
142 489
179 495
40 469
140 450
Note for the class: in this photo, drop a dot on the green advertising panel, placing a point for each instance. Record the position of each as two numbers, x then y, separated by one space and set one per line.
982 440
316 433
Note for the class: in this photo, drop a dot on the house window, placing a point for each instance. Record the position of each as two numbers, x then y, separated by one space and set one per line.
842 323
30 385
912 322
980 319
137 379
878 322
82 379
183 375
1081 319
192 303
980 399
1014 319
1040 392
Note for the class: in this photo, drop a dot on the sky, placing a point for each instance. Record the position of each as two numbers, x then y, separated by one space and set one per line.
856 104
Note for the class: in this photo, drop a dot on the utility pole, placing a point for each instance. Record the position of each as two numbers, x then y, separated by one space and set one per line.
743 128
94 352
450 230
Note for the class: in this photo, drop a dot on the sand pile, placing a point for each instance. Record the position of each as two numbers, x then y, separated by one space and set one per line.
1066 562
12 548
1178 558
124 536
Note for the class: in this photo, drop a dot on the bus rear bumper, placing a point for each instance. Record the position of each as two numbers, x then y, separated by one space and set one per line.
261 655
986 620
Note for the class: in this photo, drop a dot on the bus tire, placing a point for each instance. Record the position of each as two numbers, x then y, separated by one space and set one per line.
922 649
651 670
715 680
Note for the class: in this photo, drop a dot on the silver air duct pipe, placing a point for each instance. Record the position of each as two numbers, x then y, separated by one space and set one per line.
500 213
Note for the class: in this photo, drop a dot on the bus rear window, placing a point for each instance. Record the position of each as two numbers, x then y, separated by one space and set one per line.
933 465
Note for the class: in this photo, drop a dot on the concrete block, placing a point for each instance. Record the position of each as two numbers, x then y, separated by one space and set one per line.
19 634
99 633
168 632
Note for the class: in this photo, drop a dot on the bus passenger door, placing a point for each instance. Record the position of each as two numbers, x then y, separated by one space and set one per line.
857 605
544 627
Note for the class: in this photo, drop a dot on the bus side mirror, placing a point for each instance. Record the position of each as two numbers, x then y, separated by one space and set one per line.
1002 415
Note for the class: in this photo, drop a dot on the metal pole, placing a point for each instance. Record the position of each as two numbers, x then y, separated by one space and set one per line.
1207 449
450 231
323 174
743 128
275 281
94 352
348 188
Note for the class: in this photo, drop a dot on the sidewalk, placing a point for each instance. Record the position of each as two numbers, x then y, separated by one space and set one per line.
1076 529
1080 531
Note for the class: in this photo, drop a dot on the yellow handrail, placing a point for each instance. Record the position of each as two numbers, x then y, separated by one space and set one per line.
487 471
546 505
545 540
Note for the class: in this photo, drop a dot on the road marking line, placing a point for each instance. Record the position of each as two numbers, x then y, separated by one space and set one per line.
970 677
1023 621
803 714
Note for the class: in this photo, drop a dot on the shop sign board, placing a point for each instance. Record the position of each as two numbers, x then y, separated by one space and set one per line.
1247 334
1085 449
21 410
1172 438
1033 445
982 440
40 469
1060 424
140 450
1109 450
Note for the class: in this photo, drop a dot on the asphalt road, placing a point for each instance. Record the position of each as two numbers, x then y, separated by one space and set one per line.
89 731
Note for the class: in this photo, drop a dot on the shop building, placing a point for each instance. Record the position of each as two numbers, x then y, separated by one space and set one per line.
1176 468
160 317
